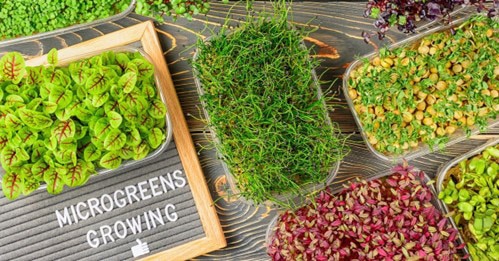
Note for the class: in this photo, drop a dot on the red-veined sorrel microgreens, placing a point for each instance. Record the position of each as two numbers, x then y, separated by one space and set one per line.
390 218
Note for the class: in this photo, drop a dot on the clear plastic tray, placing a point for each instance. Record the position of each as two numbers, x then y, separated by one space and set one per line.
70 28
288 197
442 172
169 130
438 205
422 149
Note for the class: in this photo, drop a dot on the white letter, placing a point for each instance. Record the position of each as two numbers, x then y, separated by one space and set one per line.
182 182
156 216
74 214
63 219
106 233
93 204
131 194
92 242
142 190
135 225
174 215
110 202
168 182
123 227
78 211
123 201
154 186
147 221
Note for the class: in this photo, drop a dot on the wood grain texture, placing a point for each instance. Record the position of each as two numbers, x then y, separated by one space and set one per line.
335 40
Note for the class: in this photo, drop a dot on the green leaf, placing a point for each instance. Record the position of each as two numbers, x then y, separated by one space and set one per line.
38 149
12 184
97 83
101 127
34 119
145 69
111 160
12 157
12 122
127 82
157 109
141 151
114 140
122 60
100 99
126 152
149 91
79 72
65 156
91 153
115 119
13 67
4 140
76 175
63 130
61 96
155 138
14 101
30 185
55 181
465 207
52 56
134 138
34 103
39 169
34 75
27 136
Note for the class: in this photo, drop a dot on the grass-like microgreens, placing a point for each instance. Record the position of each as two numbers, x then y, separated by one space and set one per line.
471 191
262 100
424 92
390 218
23 18
58 124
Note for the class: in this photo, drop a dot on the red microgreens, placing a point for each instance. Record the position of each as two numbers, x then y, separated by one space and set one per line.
390 218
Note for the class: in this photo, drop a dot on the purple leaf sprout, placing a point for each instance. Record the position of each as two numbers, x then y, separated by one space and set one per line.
390 218
405 13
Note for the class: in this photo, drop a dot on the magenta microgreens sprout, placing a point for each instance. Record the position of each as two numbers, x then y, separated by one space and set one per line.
390 218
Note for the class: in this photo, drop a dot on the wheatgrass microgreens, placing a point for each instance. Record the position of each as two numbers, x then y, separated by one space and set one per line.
263 105
471 191
390 218
425 92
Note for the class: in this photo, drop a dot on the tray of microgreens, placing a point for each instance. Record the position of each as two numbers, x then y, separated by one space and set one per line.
266 110
27 20
469 187
427 92
394 215
62 122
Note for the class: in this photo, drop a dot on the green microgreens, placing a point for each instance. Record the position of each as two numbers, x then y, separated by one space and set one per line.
425 92
263 103
23 18
471 191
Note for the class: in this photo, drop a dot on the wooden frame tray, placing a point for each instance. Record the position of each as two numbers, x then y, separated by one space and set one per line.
145 34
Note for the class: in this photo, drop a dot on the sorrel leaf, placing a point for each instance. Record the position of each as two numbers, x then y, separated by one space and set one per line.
114 140
127 82
12 67
115 119
111 160
52 57
55 179
157 109
34 119
63 130
155 138
12 185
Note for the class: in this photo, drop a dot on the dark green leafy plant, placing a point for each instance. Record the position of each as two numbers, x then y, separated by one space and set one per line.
425 92
174 8
263 104
471 191
58 124
22 18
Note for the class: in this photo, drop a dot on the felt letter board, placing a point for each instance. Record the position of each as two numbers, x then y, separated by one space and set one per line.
160 209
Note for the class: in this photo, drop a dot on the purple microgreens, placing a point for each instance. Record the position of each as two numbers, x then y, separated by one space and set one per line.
390 218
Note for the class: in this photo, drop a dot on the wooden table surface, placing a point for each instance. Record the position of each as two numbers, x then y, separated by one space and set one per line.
337 42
